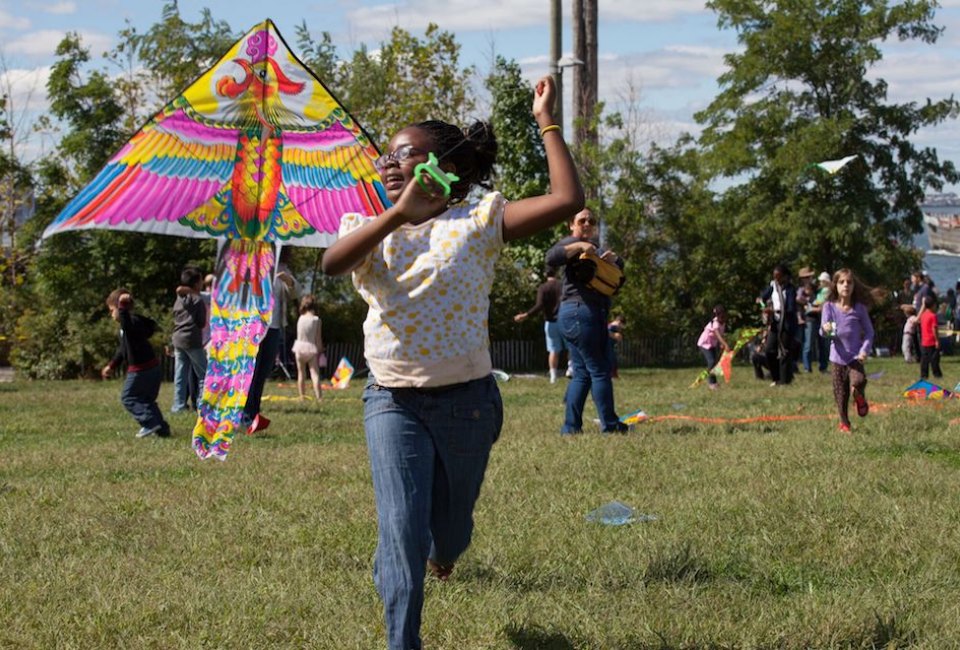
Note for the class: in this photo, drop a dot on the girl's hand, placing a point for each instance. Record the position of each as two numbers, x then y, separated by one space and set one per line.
416 205
544 97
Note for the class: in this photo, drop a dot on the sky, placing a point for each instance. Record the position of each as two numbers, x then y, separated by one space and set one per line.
665 54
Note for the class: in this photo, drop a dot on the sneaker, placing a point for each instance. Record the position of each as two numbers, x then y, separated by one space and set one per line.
619 427
844 428
260 423
145 432
713 386
862 407
164 431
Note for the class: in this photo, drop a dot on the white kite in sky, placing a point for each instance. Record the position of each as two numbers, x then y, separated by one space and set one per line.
833 166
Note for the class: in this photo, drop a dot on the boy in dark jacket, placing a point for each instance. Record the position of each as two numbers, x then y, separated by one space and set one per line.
142 384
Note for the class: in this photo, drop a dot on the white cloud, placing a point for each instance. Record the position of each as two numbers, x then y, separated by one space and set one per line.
43 43
675 67
918 74
8 21
650 10
27 88
469 15
66 7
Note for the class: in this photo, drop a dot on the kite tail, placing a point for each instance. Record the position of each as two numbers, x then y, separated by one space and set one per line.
241 306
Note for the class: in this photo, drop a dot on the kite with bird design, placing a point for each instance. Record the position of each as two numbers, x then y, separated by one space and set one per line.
256 152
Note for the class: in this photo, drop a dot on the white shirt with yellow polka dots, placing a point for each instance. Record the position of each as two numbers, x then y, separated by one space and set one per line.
428 287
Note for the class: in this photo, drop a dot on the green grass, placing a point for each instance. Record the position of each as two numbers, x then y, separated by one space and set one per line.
768 534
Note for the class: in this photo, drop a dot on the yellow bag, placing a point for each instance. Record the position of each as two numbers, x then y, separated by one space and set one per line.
607 278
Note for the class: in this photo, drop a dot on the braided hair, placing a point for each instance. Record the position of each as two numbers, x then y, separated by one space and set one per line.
473 151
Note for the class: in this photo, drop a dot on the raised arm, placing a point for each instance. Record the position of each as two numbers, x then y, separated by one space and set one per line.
531 215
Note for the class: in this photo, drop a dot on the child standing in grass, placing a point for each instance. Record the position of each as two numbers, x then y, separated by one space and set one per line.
142 384
710 341
929 339
909 333
308 347
432 410
846 322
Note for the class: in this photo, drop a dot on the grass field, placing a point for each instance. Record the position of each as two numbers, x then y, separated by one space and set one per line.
768 534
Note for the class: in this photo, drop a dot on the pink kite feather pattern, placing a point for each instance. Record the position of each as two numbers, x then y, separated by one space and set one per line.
242 301
256 151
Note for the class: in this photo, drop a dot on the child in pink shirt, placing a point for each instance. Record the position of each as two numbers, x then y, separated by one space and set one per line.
711 338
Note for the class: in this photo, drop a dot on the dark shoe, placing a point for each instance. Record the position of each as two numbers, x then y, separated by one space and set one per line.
862 407
439 571
164 431
619 427
260 423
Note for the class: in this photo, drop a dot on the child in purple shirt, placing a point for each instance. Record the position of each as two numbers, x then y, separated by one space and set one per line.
846 322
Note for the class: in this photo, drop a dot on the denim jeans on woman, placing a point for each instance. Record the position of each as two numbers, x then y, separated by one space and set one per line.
584 328
814 339
428 453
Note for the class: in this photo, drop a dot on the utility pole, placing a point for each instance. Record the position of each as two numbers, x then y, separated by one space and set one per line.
556 47
585 76
579 74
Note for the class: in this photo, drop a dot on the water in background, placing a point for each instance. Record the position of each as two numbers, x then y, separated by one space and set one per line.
942 267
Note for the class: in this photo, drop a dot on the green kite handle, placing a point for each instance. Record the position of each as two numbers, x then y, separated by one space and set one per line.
432 169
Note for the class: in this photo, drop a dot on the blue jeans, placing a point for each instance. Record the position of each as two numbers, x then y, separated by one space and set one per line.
428 453
139 397
584 328
711 356
823 355
263 368
186 362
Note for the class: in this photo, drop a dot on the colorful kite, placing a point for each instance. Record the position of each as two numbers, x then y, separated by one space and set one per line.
257 152
636 417
341 376
724 367
925 390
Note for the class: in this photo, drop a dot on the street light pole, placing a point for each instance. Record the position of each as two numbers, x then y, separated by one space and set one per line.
556 46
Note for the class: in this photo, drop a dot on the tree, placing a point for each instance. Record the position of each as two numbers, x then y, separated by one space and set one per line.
801 91
320 57
65 331
521 160
408 80
171 54
521 172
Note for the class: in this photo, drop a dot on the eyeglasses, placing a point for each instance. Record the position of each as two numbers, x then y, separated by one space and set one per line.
589 221
397 156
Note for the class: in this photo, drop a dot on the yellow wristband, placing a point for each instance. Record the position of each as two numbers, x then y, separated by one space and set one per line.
547 129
